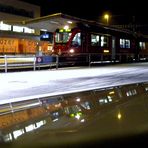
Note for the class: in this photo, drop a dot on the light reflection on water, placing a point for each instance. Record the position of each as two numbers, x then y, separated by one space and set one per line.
110 111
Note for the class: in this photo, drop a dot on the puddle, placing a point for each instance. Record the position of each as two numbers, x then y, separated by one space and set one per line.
77 117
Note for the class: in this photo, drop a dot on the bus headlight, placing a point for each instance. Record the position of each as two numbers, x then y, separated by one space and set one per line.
71 50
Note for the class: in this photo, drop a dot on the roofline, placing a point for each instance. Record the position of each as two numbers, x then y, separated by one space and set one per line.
41 18
56 15
53 16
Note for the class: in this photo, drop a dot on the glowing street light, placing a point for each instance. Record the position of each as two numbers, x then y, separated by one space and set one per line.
106 16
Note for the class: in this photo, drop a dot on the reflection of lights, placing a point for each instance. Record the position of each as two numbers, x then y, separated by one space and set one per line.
102 101
55 120
8 137
86 105
146 88
131 92
18 133
78 99
35 126
69 22
29 128
109 98
77 116
119 115
40 123
72 115
58 105
111 92
82 120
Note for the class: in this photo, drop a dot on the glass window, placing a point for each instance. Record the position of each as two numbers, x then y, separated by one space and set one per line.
77 40
28 30
18 28
142 45
104 41
124 43
62 37
5 27
95 40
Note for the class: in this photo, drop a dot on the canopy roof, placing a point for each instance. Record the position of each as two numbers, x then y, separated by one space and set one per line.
59 20
52 22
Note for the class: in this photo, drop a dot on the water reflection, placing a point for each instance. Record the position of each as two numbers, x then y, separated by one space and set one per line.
90 114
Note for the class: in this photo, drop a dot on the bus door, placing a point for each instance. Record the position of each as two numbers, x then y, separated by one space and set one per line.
76 43
84 42
113 48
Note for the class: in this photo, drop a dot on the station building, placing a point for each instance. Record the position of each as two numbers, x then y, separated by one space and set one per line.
16 38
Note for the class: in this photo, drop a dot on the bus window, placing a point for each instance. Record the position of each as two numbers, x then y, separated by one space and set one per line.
104 41
142 45
62 37
95 40
77 40
124 43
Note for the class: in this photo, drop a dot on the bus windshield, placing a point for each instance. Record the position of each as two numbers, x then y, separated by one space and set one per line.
62 37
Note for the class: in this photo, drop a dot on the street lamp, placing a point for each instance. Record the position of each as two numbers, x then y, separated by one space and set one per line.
106 17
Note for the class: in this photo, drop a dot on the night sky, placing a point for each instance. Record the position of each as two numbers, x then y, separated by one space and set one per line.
122 11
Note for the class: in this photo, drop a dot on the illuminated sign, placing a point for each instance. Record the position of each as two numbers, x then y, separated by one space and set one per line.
64 30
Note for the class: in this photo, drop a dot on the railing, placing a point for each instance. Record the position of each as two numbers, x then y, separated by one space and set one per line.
22 61
36 62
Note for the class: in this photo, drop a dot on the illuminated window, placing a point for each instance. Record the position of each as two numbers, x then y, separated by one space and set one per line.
142 45
104 41
18 28
28 30
95 40
18 133
124 43
5 26
62 37
77 40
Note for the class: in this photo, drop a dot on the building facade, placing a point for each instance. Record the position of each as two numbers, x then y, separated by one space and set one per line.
14 37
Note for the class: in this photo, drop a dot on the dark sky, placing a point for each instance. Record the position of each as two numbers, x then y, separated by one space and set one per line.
122 11
94 8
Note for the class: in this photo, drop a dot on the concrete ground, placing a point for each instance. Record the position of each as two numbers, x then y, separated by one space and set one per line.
16 86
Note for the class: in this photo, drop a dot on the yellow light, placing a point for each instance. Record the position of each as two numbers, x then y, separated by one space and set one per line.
72 115
111 92
119 115
61 30
106 51
66 27
106 16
